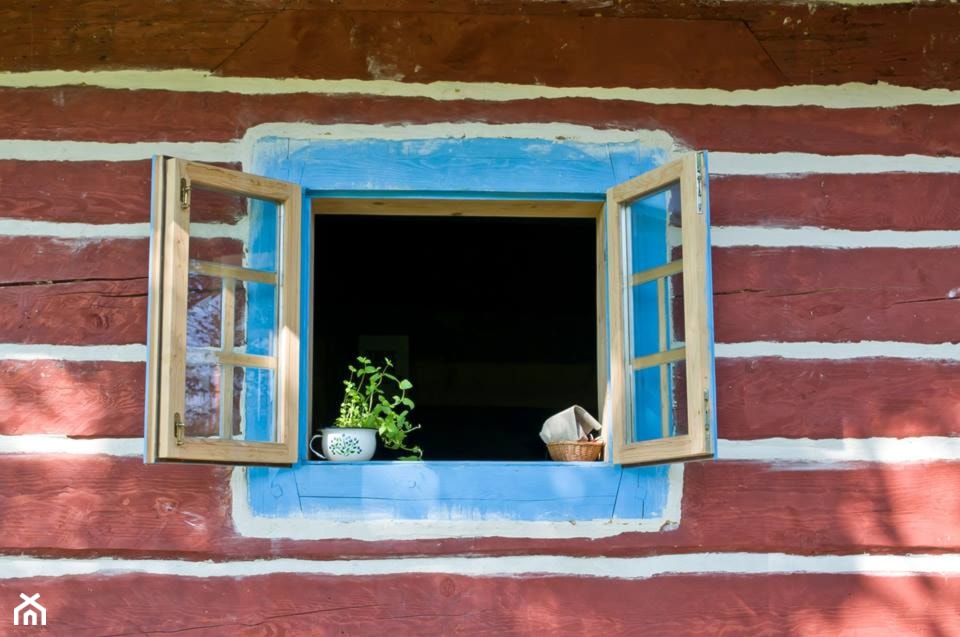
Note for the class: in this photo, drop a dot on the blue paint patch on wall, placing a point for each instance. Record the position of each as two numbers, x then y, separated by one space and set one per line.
500 168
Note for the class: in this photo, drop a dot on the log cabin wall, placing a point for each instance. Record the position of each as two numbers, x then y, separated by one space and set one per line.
832 508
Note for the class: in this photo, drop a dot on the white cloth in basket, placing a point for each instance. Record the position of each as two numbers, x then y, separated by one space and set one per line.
573 423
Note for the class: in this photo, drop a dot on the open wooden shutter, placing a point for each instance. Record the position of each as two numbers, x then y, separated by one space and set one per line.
661 315
224 316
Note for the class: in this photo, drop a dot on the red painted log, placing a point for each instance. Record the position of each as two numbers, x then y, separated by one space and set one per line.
125 35
87 192
44 260
119 192
805 294
81 399
83 191
771 397
862 44
39 260
83 113
440 604
896 201
795 294
566 51
112 506
75 313
739 44
758 398
81 292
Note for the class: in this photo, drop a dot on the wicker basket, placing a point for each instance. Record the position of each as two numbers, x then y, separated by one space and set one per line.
575 451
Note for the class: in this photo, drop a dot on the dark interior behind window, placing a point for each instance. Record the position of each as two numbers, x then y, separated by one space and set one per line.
492 319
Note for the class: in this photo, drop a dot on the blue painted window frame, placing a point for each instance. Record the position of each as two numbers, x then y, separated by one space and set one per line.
487 168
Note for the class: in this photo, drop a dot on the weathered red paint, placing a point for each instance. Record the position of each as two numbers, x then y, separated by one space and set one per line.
84 113
84 191
775 397
81 313
94 292
38 260
79 192
111 506
554 50
758 398
889 201
80 399
80 292
777 47
738 44
807 294
440 604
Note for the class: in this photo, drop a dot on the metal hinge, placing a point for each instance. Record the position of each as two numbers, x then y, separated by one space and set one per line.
701 176
178 428
184 193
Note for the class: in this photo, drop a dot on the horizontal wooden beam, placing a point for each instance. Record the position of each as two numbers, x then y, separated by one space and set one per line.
76 113
727 506
451 603
459 207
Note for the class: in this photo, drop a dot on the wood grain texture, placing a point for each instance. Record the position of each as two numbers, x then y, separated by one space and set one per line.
73 292
79 291
439 604
100 34
863 44
42 260
97 505
739 44
772 397
83 191
805 294
87 192
567 51
85 113
75 313
80 399
892 201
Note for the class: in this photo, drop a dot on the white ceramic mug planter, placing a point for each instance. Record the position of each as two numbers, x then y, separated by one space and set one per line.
346 444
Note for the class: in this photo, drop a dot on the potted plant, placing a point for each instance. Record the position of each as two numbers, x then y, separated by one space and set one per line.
367 410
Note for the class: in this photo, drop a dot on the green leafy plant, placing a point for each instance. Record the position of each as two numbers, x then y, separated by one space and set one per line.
367 404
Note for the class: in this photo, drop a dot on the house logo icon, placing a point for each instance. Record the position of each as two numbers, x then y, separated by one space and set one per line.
26 613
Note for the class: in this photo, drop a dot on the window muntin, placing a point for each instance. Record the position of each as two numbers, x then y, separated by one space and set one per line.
224 319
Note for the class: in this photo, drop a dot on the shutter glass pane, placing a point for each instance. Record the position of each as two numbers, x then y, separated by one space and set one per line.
261 322
654 307
661 405
204 294
259 406
232 314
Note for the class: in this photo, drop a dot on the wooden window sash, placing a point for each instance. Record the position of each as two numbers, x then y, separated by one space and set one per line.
696 350
169 271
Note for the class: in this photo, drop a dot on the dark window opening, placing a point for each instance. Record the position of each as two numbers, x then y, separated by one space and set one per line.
492 319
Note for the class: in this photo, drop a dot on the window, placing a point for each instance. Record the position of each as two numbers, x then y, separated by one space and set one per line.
224 317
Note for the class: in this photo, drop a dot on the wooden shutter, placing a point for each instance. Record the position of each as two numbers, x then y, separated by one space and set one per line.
224 316
661 315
